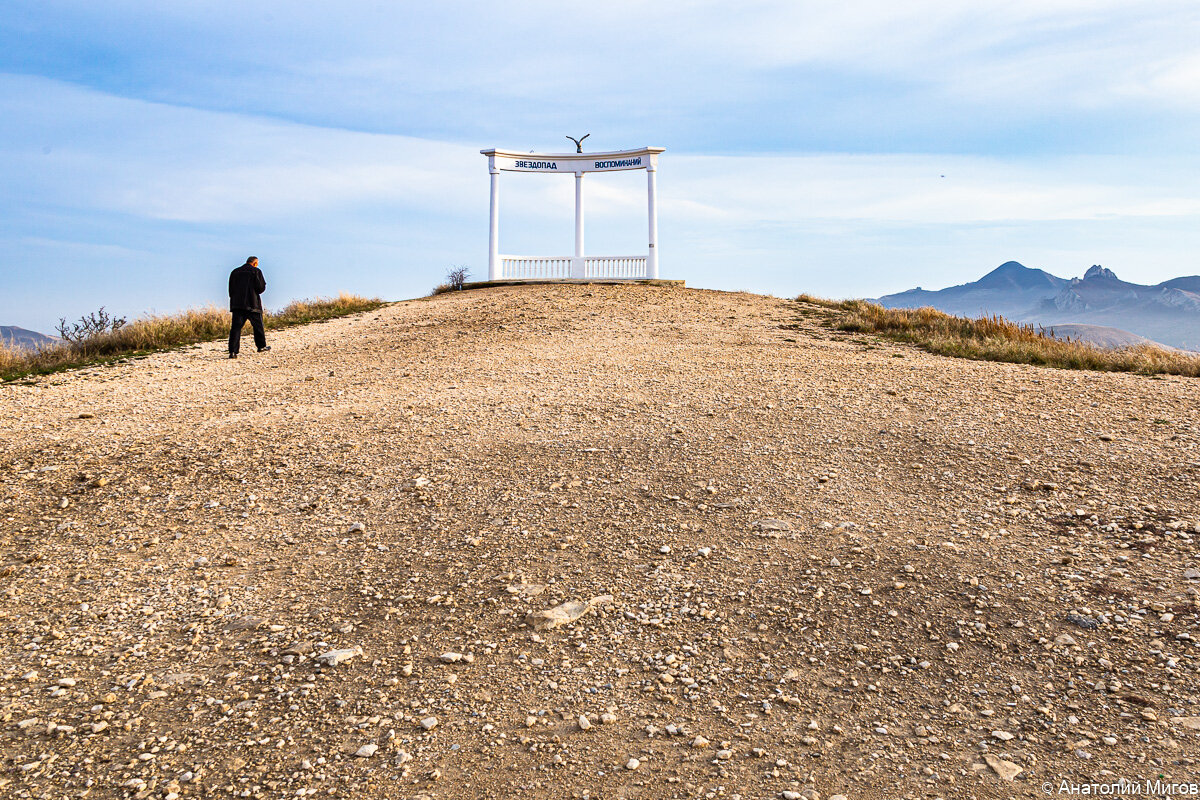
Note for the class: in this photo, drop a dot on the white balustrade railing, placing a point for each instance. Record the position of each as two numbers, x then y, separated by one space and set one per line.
615 267
534 267
567 267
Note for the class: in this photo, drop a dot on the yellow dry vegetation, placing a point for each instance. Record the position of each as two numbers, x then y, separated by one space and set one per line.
995 338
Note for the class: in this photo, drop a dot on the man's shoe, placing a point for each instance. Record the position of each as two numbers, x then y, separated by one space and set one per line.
233 355
264 349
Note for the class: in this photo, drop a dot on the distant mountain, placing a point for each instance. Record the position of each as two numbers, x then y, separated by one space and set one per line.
1008 290
19 337
1168 312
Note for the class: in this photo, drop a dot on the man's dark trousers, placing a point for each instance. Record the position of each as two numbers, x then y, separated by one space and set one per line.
239 321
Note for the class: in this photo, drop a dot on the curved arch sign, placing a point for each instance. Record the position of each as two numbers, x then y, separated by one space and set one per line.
577 266
646 158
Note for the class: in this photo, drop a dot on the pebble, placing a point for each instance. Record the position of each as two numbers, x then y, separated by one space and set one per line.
584 723
366 751
1083 622
632 763
429 723
332 658
564 613
1007 770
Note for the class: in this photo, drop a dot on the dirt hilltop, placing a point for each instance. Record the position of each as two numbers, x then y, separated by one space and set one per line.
809 564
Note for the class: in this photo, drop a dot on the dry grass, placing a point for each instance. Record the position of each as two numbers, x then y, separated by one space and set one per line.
997 339
165 331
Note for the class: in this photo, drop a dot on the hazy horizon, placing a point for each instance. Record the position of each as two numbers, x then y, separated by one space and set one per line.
52 328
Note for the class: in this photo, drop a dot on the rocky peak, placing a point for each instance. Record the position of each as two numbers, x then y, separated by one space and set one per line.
1097 272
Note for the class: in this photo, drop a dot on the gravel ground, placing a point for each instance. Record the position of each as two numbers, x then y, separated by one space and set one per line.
783 562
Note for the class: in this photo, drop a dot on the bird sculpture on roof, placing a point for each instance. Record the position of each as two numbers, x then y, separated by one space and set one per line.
579 142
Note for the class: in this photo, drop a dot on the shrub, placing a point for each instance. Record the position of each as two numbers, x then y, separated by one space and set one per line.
457 277
97 323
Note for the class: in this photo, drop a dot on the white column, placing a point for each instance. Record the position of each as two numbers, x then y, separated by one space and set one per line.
577 269
652 199
494 224
579 215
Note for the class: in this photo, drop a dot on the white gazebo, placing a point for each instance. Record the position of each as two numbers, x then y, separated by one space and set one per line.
578 266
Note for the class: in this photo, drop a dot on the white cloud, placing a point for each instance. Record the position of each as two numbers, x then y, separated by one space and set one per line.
1174 79
162 162
461 68
1022 53
153 160
911 188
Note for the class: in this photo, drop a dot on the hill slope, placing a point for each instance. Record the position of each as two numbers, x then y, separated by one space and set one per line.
847 566
1102 336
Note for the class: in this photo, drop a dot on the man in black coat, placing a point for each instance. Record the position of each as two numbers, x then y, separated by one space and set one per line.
246 283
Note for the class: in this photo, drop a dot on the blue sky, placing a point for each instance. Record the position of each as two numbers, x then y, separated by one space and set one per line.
148 148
